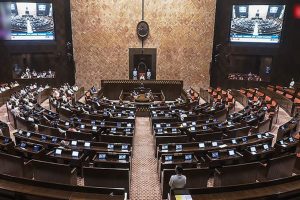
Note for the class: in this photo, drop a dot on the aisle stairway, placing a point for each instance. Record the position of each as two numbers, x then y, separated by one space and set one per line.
144 178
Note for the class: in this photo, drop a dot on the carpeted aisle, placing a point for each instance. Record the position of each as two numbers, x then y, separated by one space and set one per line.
144 177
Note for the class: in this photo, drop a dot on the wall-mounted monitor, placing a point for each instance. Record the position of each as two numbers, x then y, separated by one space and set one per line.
256 23
26 21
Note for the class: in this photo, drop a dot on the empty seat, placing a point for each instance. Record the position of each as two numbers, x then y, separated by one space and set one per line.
238 174
281 167
221 115
11 165
64 114
238 132
106 177
46 130
208 136
116 138
264 126
23 124
51 172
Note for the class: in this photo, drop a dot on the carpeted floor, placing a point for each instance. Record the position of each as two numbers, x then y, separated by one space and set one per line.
144 177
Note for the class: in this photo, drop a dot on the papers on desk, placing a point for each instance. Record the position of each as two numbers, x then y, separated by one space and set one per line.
223 146
183 197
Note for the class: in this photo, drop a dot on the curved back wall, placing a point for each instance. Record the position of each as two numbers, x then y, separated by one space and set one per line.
182 32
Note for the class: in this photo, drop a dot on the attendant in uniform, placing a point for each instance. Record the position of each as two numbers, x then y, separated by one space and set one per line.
177 181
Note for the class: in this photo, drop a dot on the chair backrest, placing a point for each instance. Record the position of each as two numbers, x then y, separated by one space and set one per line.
5 129
221 115
116 138
238 174
238 132
46 130
196 178
106 177
64 114
170 139
52 172
209 136
11 165
281 167
264 126
24 124
74 135
244 131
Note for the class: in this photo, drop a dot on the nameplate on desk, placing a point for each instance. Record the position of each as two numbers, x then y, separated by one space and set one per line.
183 197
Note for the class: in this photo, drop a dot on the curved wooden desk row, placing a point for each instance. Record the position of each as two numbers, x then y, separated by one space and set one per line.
4 96
21 188
287 98
286 188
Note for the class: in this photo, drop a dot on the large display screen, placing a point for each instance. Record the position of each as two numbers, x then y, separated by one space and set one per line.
256 23
26 21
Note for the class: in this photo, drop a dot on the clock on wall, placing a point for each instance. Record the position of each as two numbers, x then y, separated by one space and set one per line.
142 30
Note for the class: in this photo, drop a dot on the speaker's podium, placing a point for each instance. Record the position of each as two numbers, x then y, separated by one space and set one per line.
143 93
171 89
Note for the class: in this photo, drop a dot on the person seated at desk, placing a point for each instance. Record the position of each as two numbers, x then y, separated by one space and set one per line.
292 83
93 90
72 128
177 181
88 96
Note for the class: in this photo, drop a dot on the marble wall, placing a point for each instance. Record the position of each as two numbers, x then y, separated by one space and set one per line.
181 30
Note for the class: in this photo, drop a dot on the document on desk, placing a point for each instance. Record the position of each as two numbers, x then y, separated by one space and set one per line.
183 197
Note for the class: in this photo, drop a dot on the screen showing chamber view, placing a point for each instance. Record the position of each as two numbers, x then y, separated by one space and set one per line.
26 21
257 23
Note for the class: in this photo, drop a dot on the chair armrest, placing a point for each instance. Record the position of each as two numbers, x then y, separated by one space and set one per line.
262 173
73 171
241 155
217 172
28 170
73 178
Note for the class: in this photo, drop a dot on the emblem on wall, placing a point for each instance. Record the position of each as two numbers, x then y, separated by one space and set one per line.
142 30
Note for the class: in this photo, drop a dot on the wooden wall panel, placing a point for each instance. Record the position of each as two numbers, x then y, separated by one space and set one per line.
182 32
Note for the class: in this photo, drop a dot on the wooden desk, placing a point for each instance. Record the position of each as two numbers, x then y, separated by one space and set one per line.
170 88
47 141
112 160
177 159
286 145
223 158
260 154
90 148
6 144
200 149
30 150
30 189
66 157
280 188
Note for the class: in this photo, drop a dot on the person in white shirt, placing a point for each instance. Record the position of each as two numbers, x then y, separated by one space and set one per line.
292 83
178 180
